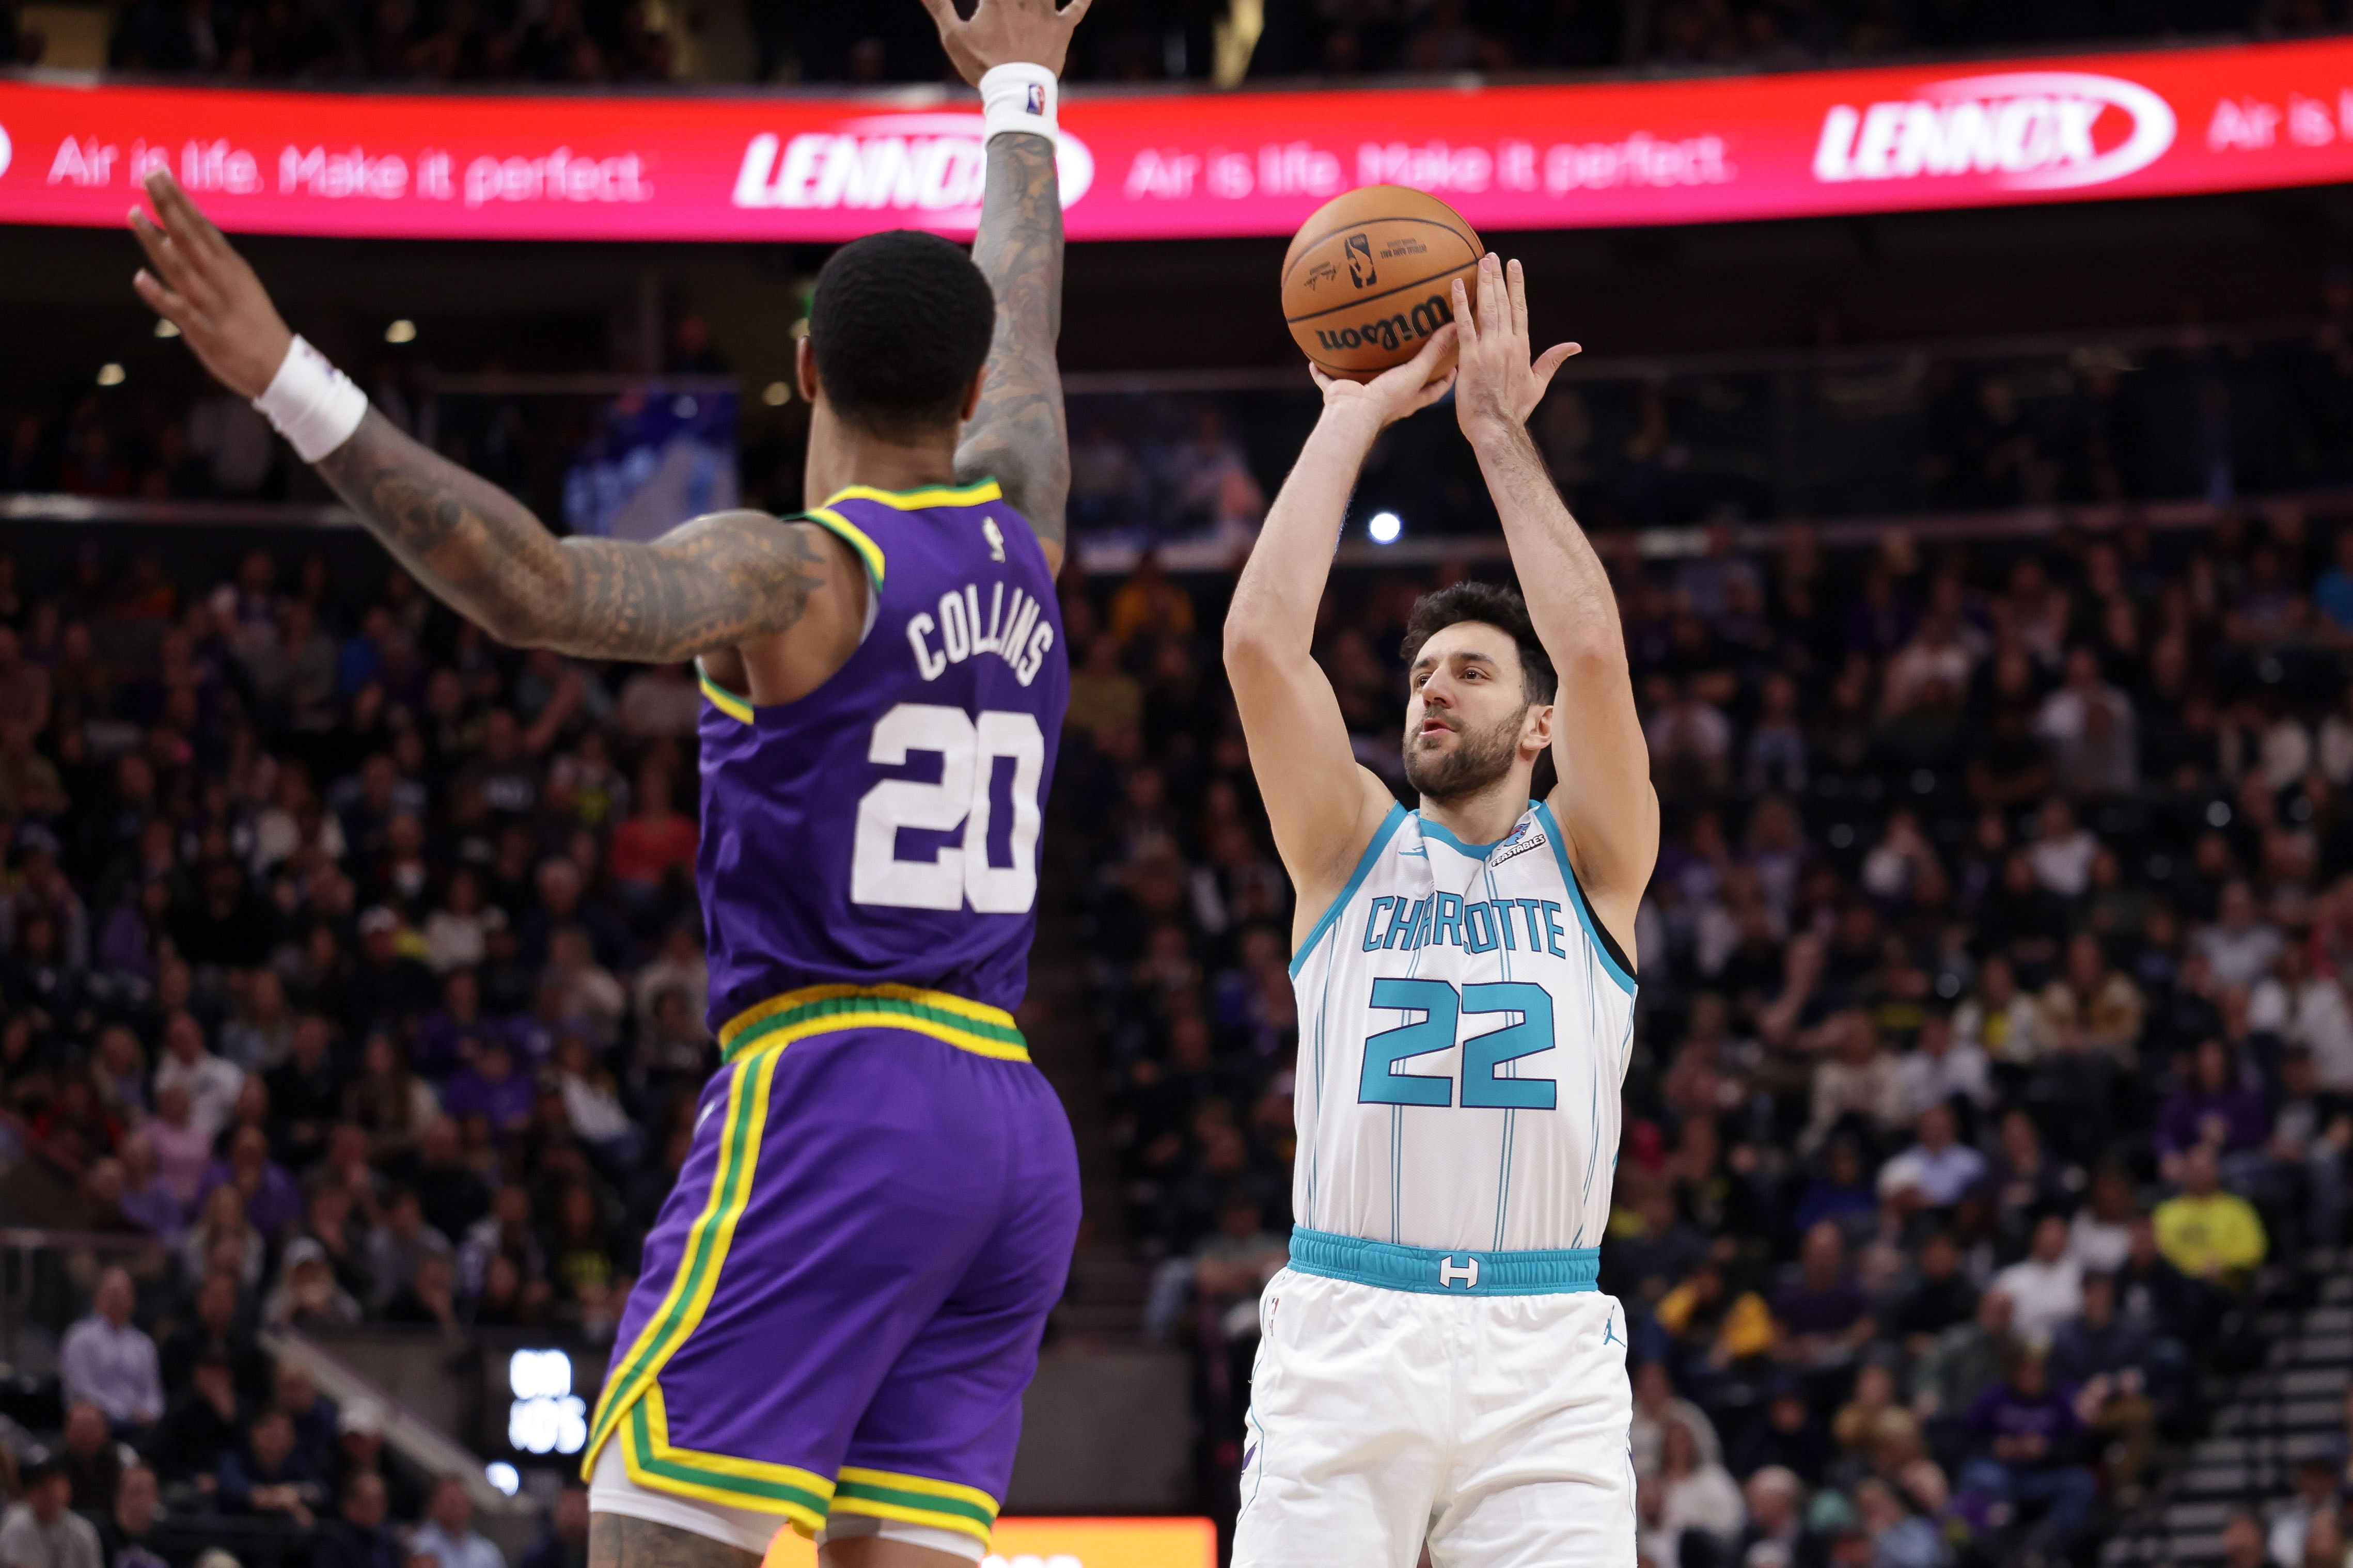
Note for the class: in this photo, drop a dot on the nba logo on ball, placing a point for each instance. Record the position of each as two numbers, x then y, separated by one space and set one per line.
1036 101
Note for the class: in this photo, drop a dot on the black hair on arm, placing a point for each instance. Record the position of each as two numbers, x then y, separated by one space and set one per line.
900 324
1494 605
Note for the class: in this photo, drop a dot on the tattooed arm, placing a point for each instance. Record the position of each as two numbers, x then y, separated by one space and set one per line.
710 584
1018 434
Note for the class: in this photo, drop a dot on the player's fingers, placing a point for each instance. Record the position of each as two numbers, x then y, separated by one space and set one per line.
1072 13
194 231
1553 358
1434 348
1491 310
1462 322
1517 282
944 12
1315 373
167 260
1436 389
160 300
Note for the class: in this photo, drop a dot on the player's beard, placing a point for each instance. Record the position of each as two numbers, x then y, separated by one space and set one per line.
1476 760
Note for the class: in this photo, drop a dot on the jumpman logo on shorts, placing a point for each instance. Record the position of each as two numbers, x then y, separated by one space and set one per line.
1609 1331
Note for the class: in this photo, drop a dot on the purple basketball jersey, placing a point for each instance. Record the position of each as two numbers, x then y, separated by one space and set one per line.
883 830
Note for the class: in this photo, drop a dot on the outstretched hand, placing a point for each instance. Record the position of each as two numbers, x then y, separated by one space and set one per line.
1006 32
1399 390
209 292
1499 386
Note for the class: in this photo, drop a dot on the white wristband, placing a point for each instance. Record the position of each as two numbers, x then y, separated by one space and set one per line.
1017 97
311 404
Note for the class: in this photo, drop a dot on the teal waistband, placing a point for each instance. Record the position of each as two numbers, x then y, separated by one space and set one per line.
1428 1273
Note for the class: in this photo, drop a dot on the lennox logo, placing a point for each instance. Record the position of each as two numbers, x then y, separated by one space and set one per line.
934 164
2032 128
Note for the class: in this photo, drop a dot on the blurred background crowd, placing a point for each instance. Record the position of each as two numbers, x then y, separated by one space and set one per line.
591 41
2187 413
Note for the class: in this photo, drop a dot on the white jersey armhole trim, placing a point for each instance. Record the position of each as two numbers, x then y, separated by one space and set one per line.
1576 895
1381 836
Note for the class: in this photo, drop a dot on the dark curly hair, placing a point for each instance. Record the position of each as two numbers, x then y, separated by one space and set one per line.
1495 605
900 324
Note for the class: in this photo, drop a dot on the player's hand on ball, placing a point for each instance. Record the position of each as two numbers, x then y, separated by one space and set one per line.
1006 32
204 289
1498 386
1398 391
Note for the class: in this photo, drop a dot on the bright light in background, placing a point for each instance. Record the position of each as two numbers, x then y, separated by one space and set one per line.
1385 527
164 328
547 1416
775 395
403 331
109 374
502 1476
536 1373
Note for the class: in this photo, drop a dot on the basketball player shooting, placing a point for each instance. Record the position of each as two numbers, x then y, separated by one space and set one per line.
1438 1364
842 1301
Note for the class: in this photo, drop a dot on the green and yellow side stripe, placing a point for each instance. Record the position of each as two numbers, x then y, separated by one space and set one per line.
916 1500
707 1242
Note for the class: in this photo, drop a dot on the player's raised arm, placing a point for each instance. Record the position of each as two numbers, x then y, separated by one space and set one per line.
708 585
1604 799
1018 435
1320 802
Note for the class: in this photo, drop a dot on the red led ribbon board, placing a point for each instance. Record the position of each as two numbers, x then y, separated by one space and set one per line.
1197 164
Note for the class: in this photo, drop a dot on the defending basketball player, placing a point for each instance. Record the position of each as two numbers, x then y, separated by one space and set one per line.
1438 1364
842 1300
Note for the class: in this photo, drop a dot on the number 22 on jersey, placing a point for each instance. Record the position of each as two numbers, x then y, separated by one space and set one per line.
1441 1007
968 746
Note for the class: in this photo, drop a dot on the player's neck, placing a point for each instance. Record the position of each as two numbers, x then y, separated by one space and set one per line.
842 455
1483 818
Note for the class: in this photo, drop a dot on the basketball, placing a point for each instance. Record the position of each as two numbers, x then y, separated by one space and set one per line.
1370 276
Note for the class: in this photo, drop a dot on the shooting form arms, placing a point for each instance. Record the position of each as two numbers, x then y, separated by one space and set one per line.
1321 803
1604 799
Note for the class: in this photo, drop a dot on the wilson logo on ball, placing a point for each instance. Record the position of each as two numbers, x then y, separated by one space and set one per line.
1399 330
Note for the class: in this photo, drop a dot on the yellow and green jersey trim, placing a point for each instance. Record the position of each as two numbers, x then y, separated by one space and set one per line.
857 538
869 552
736 707
916 1500
900 502
966 1024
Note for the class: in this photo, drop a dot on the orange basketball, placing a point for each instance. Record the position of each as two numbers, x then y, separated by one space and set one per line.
1370 276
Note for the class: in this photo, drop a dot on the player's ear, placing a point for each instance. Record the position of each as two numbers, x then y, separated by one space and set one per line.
805 370
972 395
1535 732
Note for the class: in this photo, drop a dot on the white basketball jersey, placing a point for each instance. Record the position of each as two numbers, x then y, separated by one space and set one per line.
1464 1031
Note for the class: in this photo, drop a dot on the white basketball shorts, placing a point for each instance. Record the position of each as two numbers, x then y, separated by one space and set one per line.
1495 1427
